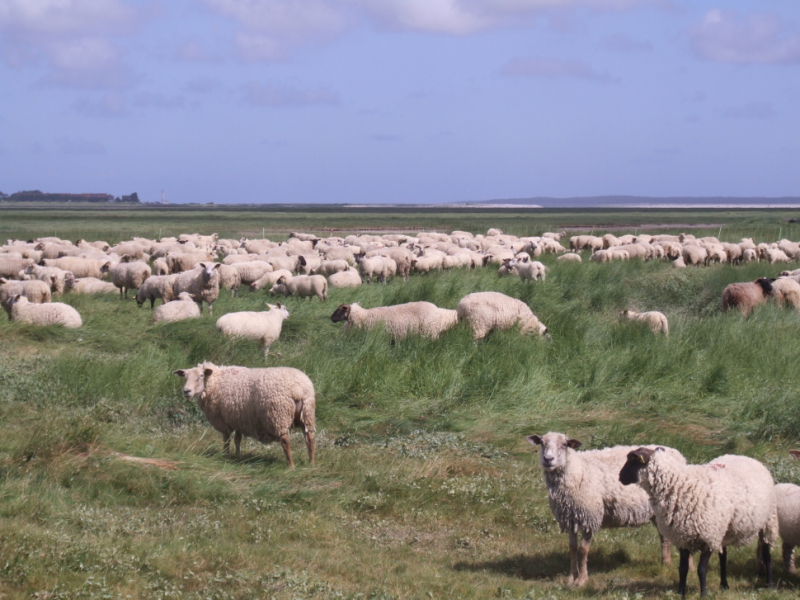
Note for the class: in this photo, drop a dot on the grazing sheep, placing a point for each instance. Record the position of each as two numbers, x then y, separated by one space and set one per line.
413 318
657 321
585 495
705 508
569 257
159 286
35 291
201 283
263 404
402 257
290 263
343 279
270 279
264 326
129 274
302 286
773 255
88 285
340 253
426 264
489 311
51 313
694 255
746 296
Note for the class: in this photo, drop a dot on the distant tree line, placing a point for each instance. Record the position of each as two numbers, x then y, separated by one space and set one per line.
38 196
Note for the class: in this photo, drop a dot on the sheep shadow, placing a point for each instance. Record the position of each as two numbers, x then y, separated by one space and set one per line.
545 567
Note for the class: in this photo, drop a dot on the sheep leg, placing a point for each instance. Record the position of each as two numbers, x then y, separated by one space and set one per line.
788 558
723 568
766 556
702 570
583 559
286 450
309 435
573 558
226 442
666 555
237 440
683 571
153 303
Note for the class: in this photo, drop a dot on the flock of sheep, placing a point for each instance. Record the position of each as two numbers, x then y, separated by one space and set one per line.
730 501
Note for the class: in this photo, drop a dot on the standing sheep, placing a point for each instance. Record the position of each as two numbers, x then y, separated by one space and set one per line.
585 495
746 296
202 284
415 318
51 313
264 326
183 307
530 271
706 508
302 286
129 274
159 286
788 498
489 311
263 404
657 321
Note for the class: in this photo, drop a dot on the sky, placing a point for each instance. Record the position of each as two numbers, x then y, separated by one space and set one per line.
399 101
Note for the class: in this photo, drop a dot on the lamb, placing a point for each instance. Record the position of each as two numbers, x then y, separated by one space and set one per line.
88 285
129 274
269 279
159 286
260 403
585 495
302 286
264 326
657 321
705 508
52 313
413 318
183 307
202 284
489 311
342 279
35 291
746 296
788 498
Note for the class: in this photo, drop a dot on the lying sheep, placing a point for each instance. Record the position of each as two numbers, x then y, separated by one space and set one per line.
35 291
706 508
51 313
159 286
329 267
585 495
129 274
182 307
413 318
270 279
201 283
263 404
342 279
302 286
264 326
569 257
89 285
81 267
657 321
746 296
489 311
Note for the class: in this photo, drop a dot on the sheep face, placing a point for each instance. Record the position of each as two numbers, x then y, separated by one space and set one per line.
554 450
208 270
341 314
765 284
279 307
194 380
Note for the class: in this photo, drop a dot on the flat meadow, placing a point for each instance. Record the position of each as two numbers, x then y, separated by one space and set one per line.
424 485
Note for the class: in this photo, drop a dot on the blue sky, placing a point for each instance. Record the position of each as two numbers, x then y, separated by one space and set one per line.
400 100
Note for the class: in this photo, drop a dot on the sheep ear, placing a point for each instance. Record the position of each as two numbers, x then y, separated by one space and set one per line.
534 440
217 265
208 372
795 453
279 305
574 444
179 373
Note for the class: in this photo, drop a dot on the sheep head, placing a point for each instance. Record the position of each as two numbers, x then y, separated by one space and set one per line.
555 449
195 379
341 314
637 461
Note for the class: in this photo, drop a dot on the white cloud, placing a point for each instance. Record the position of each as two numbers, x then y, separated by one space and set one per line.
554 68
259 94
66 17
755 39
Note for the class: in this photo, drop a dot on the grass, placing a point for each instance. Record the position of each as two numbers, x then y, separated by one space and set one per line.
424 487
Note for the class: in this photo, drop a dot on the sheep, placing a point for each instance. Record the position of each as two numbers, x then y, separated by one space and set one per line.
264 326
182 307
260 403
489 311
788 499
774 255
159 286
750 255
229 278
402 257
329 267
694 255
746 296
129 274
786 290
413 318
81 267
269 279
307 263
657 321
381 267
202 284
185 261
426 264
569 257
53 276
530 271
585 495
290 263
340 253
705 508
253 270
160 267
51 313
342 279
35 291
302 286
88 285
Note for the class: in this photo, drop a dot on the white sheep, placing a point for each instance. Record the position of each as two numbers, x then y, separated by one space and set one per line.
705 508
269 279
35 291
129 274
529 271
413 318
329 267
342 279
81 267
160 267
229 278
158 286
380 267
302 286
586 495
250 271
53 276
657 321
88 285
260 403
201 283
264 326
51 313
788 498
489 311
182 307
569 257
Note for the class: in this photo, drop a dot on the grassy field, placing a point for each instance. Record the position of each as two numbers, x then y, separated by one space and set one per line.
424 485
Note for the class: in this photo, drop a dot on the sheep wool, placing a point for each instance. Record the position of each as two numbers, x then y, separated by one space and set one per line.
413 318
183 307
264 326
51 313
488 311
35 291
655 320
